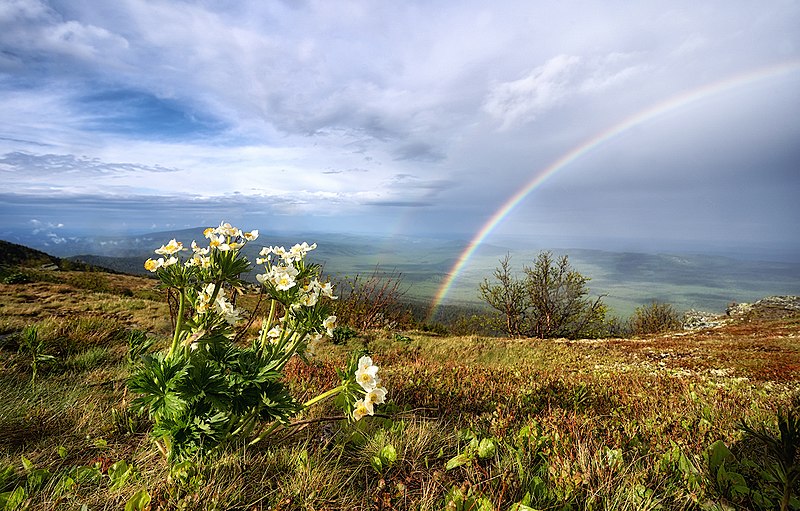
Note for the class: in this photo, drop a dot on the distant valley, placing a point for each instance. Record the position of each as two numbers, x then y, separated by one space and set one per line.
628 279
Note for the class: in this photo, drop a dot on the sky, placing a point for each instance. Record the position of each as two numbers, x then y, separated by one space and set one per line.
412 117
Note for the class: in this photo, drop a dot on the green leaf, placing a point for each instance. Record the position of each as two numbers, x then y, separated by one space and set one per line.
458 460
118 473
718 454
389 453
26 463
521 507
64 485
138 502
37 478
87 474
11 500
62 452
6 474
156 382
486 448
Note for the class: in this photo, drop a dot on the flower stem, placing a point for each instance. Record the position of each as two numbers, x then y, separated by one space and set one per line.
178 323
275 425
324 395
265 327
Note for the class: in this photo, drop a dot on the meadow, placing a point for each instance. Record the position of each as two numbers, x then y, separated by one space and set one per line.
679 420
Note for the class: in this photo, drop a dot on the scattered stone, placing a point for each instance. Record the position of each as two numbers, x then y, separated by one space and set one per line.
696 320
738 309
770 307
774 307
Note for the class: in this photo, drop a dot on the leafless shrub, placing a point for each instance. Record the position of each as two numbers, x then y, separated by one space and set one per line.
372 301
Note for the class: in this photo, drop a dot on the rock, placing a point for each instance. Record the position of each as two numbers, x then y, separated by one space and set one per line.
696 320
774 307
738 309
770 307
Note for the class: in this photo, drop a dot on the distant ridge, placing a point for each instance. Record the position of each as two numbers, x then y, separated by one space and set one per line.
12 254
15 255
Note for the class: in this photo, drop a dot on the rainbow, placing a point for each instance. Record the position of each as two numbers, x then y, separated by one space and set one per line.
650 113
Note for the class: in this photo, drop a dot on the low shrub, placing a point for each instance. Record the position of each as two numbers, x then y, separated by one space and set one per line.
654 318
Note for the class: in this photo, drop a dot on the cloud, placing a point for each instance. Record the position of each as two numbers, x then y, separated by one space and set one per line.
31 30
340 108
343 171
418 151
553 83
399 203
24 163
47 230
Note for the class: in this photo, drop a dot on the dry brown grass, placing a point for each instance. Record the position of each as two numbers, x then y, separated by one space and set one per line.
644 397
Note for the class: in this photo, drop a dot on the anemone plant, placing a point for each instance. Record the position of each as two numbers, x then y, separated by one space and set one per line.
208 389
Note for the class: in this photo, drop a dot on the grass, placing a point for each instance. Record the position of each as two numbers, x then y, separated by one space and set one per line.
611 424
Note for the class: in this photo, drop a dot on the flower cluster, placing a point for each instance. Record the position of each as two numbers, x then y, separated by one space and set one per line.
205 349
367 378
283 274
220 304
169 249
226 237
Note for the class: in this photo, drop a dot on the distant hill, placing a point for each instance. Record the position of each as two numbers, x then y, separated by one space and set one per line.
128 265
628 279
15 255
12 254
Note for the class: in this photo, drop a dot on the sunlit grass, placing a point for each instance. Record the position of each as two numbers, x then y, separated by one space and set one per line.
622 424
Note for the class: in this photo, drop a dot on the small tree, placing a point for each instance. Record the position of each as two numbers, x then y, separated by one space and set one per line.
558 303
550 301
654 318
507 296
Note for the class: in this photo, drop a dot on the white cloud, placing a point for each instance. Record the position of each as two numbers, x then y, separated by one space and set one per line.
318 106
553 83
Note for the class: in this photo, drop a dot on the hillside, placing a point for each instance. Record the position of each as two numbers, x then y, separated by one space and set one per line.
12 254
627 279
551 424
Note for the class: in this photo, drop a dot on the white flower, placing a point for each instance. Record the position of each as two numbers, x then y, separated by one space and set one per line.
210 288
170 248
361 409
169 262
226 229
282 281
300 250
327 290
219 242
275 333
231 314
376 396
329 324
367 374
153 264
203 299
198 250
309 299
278 251
198 260
282 277
252 235
310 295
